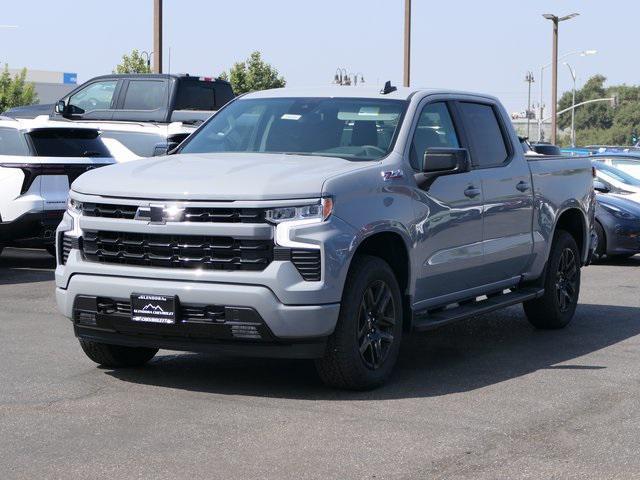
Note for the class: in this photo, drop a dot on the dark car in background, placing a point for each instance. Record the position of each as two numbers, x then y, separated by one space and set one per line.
617 225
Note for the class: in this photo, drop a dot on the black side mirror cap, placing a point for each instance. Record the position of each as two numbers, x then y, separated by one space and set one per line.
437 162
61 107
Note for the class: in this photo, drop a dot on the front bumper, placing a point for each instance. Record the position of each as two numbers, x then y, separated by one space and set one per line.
623 238
291 331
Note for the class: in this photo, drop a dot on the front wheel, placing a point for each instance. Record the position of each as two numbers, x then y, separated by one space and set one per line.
601 243
556 307
364 347
117 356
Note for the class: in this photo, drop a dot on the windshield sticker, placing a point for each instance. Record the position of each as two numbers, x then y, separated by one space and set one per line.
291 116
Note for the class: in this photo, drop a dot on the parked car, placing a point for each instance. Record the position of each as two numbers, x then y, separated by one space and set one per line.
617 225
614 180
325 224
627 162
38 162
148 113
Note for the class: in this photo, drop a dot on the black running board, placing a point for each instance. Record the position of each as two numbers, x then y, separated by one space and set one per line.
430 320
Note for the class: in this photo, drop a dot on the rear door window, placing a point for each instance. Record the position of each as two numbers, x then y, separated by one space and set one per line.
482 126
195 95
68 142
145 95
12 142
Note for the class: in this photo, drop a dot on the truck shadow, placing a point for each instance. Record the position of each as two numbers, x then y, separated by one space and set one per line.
26 266
459 358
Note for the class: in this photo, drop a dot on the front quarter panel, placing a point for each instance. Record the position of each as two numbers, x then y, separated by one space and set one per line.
371 204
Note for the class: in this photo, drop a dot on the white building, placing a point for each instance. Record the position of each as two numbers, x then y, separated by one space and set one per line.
50 86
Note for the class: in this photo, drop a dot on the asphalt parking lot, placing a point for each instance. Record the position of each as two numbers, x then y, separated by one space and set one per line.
489 398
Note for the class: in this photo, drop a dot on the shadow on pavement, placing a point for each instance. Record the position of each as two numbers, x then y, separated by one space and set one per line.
620 261
459 358
25 266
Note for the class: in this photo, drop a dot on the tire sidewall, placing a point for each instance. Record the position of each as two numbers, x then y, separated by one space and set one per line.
562 241
369 270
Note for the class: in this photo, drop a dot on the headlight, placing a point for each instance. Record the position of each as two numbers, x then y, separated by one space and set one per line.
619 212
319 211
74 206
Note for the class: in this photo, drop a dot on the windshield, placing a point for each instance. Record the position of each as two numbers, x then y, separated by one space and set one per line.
355 129
68 142
616 174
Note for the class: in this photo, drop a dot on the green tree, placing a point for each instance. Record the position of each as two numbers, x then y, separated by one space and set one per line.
133 63
601 123
253 74
15 91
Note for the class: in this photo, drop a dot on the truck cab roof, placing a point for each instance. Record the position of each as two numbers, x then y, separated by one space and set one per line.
336 91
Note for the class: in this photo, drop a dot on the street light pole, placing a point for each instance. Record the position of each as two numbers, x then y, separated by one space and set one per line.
573 106
407 42
582 53
157 36
554 71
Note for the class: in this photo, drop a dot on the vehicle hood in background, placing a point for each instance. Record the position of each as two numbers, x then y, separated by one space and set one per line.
217 176
631 202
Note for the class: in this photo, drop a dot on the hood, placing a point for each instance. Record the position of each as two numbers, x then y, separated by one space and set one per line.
216 176
630 203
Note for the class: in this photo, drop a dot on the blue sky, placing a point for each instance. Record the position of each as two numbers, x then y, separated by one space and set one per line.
473 45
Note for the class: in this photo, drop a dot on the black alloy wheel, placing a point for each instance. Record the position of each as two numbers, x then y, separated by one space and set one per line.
567 280
376 324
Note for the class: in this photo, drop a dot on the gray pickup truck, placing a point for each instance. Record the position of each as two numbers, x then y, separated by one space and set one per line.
324 224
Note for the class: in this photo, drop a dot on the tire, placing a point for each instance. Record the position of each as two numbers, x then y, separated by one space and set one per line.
116 356
51 249
556 307
370 322
601 248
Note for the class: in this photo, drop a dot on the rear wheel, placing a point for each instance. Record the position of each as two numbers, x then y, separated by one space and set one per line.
556 307
364 347
117 356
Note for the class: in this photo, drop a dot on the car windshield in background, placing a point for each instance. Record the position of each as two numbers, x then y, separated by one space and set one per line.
351 128
617 174
68 142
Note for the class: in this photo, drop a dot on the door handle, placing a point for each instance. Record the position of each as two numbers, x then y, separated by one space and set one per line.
522 186
472 191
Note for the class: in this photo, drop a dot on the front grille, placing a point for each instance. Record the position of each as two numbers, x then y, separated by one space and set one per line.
109 211
177 251
191 214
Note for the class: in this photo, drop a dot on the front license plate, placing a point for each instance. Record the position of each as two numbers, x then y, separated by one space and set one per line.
153 308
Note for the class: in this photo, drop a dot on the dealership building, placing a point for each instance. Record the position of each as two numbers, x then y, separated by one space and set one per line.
50 86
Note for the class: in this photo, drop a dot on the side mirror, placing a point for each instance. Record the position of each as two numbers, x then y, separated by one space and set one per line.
599 186
437 162
61 107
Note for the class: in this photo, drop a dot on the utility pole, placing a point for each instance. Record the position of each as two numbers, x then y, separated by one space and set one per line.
554 72
407 42
157 36
529 79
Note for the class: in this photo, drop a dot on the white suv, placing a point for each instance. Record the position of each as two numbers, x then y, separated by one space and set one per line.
38 162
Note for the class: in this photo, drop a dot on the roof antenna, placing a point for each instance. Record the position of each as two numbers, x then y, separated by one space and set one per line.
388 88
